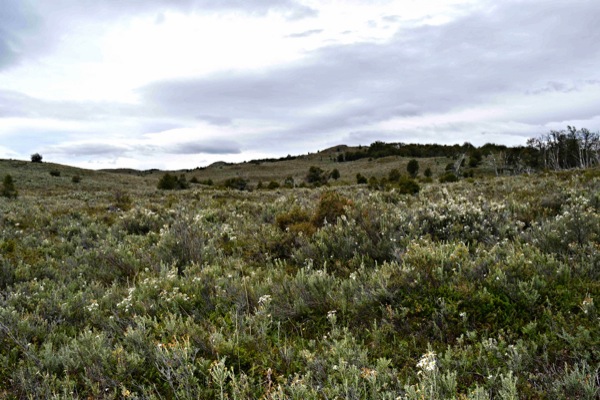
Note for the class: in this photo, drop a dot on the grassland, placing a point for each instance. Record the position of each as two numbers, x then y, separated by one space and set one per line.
484 288
297 167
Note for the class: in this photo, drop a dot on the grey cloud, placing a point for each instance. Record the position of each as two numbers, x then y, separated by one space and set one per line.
32 140
30 28
209 147
158 126
514 48
553 86
391 18
305 33
111 8
215 120
17 20
7 55
15 104
87 149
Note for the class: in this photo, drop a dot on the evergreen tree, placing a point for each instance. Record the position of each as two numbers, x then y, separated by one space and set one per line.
335 174
413 168
8 187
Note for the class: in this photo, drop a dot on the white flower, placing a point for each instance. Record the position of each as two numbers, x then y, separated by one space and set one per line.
428 362
264 299
587 304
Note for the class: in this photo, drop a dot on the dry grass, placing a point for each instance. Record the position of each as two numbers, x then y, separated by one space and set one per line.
36 176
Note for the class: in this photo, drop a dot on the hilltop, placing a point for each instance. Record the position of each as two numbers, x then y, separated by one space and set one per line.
484 288
254 171
558 150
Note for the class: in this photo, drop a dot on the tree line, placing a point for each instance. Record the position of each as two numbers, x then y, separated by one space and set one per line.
568 149
557 150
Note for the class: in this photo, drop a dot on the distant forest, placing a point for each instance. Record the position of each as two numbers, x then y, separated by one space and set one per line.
557 150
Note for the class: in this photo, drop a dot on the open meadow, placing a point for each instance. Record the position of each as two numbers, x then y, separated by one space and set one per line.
487 288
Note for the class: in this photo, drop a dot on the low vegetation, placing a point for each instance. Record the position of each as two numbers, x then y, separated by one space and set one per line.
484 288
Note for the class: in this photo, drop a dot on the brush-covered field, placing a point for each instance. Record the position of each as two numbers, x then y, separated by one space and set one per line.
482 289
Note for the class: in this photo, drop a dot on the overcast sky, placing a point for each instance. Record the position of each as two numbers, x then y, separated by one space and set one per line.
176 84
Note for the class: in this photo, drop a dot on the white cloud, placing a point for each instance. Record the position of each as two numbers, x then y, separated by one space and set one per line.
128 83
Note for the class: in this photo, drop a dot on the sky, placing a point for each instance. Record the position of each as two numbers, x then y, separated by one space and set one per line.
180 84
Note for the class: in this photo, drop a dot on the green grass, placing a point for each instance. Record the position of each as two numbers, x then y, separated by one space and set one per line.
484 288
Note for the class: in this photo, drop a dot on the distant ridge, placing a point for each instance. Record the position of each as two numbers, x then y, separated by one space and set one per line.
335 149
218 164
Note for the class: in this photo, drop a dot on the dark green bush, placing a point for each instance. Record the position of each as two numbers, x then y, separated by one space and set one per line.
407 185
121 200
8 187
374 184
335 174
448 177
360 179
394 175
237 183
295 216
288 182
54 172
331 206
171 182
316 176
412 168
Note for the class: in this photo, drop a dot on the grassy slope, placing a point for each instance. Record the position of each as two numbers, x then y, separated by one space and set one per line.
298 168
112 288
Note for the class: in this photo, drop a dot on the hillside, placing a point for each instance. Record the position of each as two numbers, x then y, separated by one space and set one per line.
253 171
482 289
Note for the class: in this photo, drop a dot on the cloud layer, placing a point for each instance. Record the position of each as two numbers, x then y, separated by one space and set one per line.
482 72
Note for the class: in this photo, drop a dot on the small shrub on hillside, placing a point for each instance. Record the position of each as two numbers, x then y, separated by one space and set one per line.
295 216
36 158
8 187
76 179
407 185
273 185
553 203
569 231
288 182
394 175
374 183
121 200
296 221
360 179
171 182
448 177
316 176
335 174
412 168
331 206
168 182
237 183
54 172
182 244
427 173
